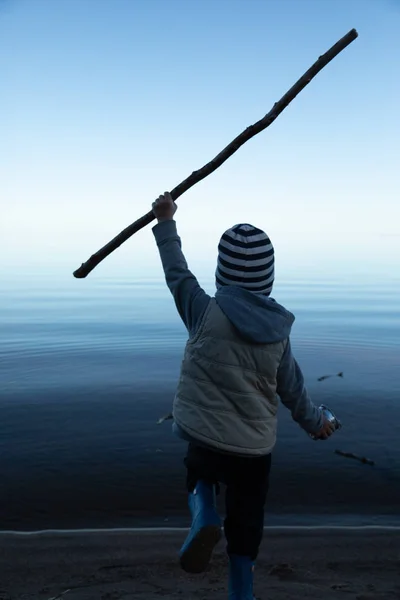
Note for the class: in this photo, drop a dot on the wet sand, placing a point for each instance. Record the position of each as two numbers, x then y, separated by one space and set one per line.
348 564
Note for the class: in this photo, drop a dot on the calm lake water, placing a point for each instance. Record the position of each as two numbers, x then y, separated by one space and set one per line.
87 367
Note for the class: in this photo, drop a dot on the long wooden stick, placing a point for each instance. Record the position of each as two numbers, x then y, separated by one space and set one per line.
210 167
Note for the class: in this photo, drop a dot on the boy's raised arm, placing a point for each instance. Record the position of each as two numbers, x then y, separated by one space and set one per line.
190 299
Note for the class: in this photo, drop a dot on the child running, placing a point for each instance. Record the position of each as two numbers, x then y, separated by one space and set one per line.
237 363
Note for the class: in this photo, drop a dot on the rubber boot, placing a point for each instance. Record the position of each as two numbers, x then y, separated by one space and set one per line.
205 532
241 570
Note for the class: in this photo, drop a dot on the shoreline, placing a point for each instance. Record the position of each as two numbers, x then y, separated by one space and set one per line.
312 564
172 530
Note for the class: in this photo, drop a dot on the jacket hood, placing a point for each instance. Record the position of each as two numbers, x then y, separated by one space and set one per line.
259 319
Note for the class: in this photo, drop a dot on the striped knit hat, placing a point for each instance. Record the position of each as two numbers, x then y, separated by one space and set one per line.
246 259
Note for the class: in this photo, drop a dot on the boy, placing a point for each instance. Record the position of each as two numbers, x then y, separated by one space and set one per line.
237 362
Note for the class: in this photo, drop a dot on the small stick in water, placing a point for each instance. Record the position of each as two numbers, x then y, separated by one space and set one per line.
365 461
165 418
328 376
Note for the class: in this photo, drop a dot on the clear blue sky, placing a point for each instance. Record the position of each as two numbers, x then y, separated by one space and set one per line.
107 104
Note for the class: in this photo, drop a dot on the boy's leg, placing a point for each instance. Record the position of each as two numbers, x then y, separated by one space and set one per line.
246 494
205 532
201 465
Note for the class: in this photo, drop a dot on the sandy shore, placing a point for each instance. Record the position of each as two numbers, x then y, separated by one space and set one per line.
315 564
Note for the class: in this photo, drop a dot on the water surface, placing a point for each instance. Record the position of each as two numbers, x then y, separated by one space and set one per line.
87 368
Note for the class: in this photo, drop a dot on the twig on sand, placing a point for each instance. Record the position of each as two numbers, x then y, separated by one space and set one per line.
365 461
60 595
216 162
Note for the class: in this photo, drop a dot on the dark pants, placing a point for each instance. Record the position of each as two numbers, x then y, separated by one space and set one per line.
247 482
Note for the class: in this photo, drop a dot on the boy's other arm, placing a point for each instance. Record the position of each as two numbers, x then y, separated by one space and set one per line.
190 299
293 394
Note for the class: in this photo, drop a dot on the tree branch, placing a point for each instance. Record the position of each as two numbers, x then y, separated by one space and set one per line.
210 167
